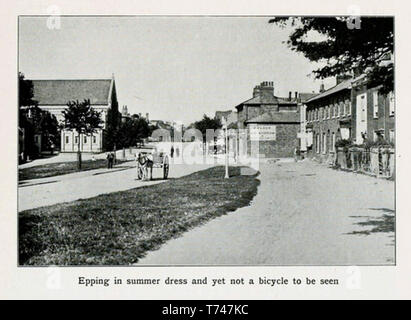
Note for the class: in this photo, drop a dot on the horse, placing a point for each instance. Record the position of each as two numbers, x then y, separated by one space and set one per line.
144 167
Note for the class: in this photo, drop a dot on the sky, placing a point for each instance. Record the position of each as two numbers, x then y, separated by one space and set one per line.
174 68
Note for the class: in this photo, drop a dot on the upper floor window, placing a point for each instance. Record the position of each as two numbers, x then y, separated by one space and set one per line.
375 103
67 139
94 139
348 106
391 101
85 139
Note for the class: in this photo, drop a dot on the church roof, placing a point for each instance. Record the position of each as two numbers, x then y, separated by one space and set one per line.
59 92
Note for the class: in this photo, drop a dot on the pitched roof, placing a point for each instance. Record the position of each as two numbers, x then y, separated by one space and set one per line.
305 96
59 92
276 117
339 87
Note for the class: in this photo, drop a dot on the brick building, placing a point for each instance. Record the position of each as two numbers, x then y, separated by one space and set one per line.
328 117
53 96
273 121
350 110
374 117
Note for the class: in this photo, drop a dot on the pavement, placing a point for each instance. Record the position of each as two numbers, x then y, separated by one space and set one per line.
304 214
86 184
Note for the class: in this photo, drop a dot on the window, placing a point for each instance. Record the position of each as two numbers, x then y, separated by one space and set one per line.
375 104
341 104
85 139
76 139
324 149
328 112
337 110
333 142
392 135
317 142
94 139
348 104
67 139
391 98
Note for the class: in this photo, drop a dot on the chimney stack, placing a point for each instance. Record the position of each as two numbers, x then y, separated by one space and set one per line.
296 95
290 95
322 87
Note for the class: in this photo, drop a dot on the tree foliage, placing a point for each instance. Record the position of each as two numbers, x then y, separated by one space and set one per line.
207 123
344 46
35 121
132 131
80 116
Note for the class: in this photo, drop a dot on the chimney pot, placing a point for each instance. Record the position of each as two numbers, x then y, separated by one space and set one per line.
289 95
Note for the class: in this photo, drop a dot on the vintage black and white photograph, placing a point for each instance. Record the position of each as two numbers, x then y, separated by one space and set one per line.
206 140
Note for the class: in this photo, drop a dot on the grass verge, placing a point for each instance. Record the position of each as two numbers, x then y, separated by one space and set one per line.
60 168
119 228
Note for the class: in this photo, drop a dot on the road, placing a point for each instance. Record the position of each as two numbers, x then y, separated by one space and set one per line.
303 214
86 184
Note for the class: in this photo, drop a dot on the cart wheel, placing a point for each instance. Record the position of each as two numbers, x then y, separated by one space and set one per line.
166 167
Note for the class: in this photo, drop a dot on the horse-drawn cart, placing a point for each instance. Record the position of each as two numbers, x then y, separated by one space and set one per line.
147 160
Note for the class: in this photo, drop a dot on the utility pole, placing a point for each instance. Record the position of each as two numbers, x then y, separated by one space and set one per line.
224 121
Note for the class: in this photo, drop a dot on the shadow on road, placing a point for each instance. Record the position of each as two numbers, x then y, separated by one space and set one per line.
385 223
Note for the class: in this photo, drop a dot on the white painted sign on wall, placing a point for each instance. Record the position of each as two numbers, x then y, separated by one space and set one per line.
262 132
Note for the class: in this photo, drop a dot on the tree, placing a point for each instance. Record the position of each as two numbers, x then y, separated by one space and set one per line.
344 46
82 118
207 123
132 131
25 92
26 104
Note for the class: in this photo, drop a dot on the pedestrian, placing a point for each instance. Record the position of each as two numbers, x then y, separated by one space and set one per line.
172 152
109 160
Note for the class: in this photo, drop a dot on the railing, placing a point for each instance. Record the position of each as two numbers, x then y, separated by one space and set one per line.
377 161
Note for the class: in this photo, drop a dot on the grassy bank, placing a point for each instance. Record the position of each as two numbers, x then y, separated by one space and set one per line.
119 228
60 168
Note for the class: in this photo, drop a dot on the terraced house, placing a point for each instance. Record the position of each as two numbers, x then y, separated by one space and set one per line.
350 110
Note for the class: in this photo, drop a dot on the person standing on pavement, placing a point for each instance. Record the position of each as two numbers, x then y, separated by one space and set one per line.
172 152
109 160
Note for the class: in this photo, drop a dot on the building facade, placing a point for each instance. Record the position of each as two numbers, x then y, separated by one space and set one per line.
374 115
269 122
348 111
328 118
53 96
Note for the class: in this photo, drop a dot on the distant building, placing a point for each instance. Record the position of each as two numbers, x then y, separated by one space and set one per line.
273 121
53 96
125 114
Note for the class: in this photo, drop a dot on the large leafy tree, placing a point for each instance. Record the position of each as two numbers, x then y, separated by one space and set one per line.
204 124
345 45
132 131
33 120
81 117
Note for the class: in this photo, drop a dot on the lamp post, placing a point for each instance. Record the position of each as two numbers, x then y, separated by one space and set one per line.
224 121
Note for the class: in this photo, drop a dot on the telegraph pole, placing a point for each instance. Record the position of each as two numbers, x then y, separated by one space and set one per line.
226 147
